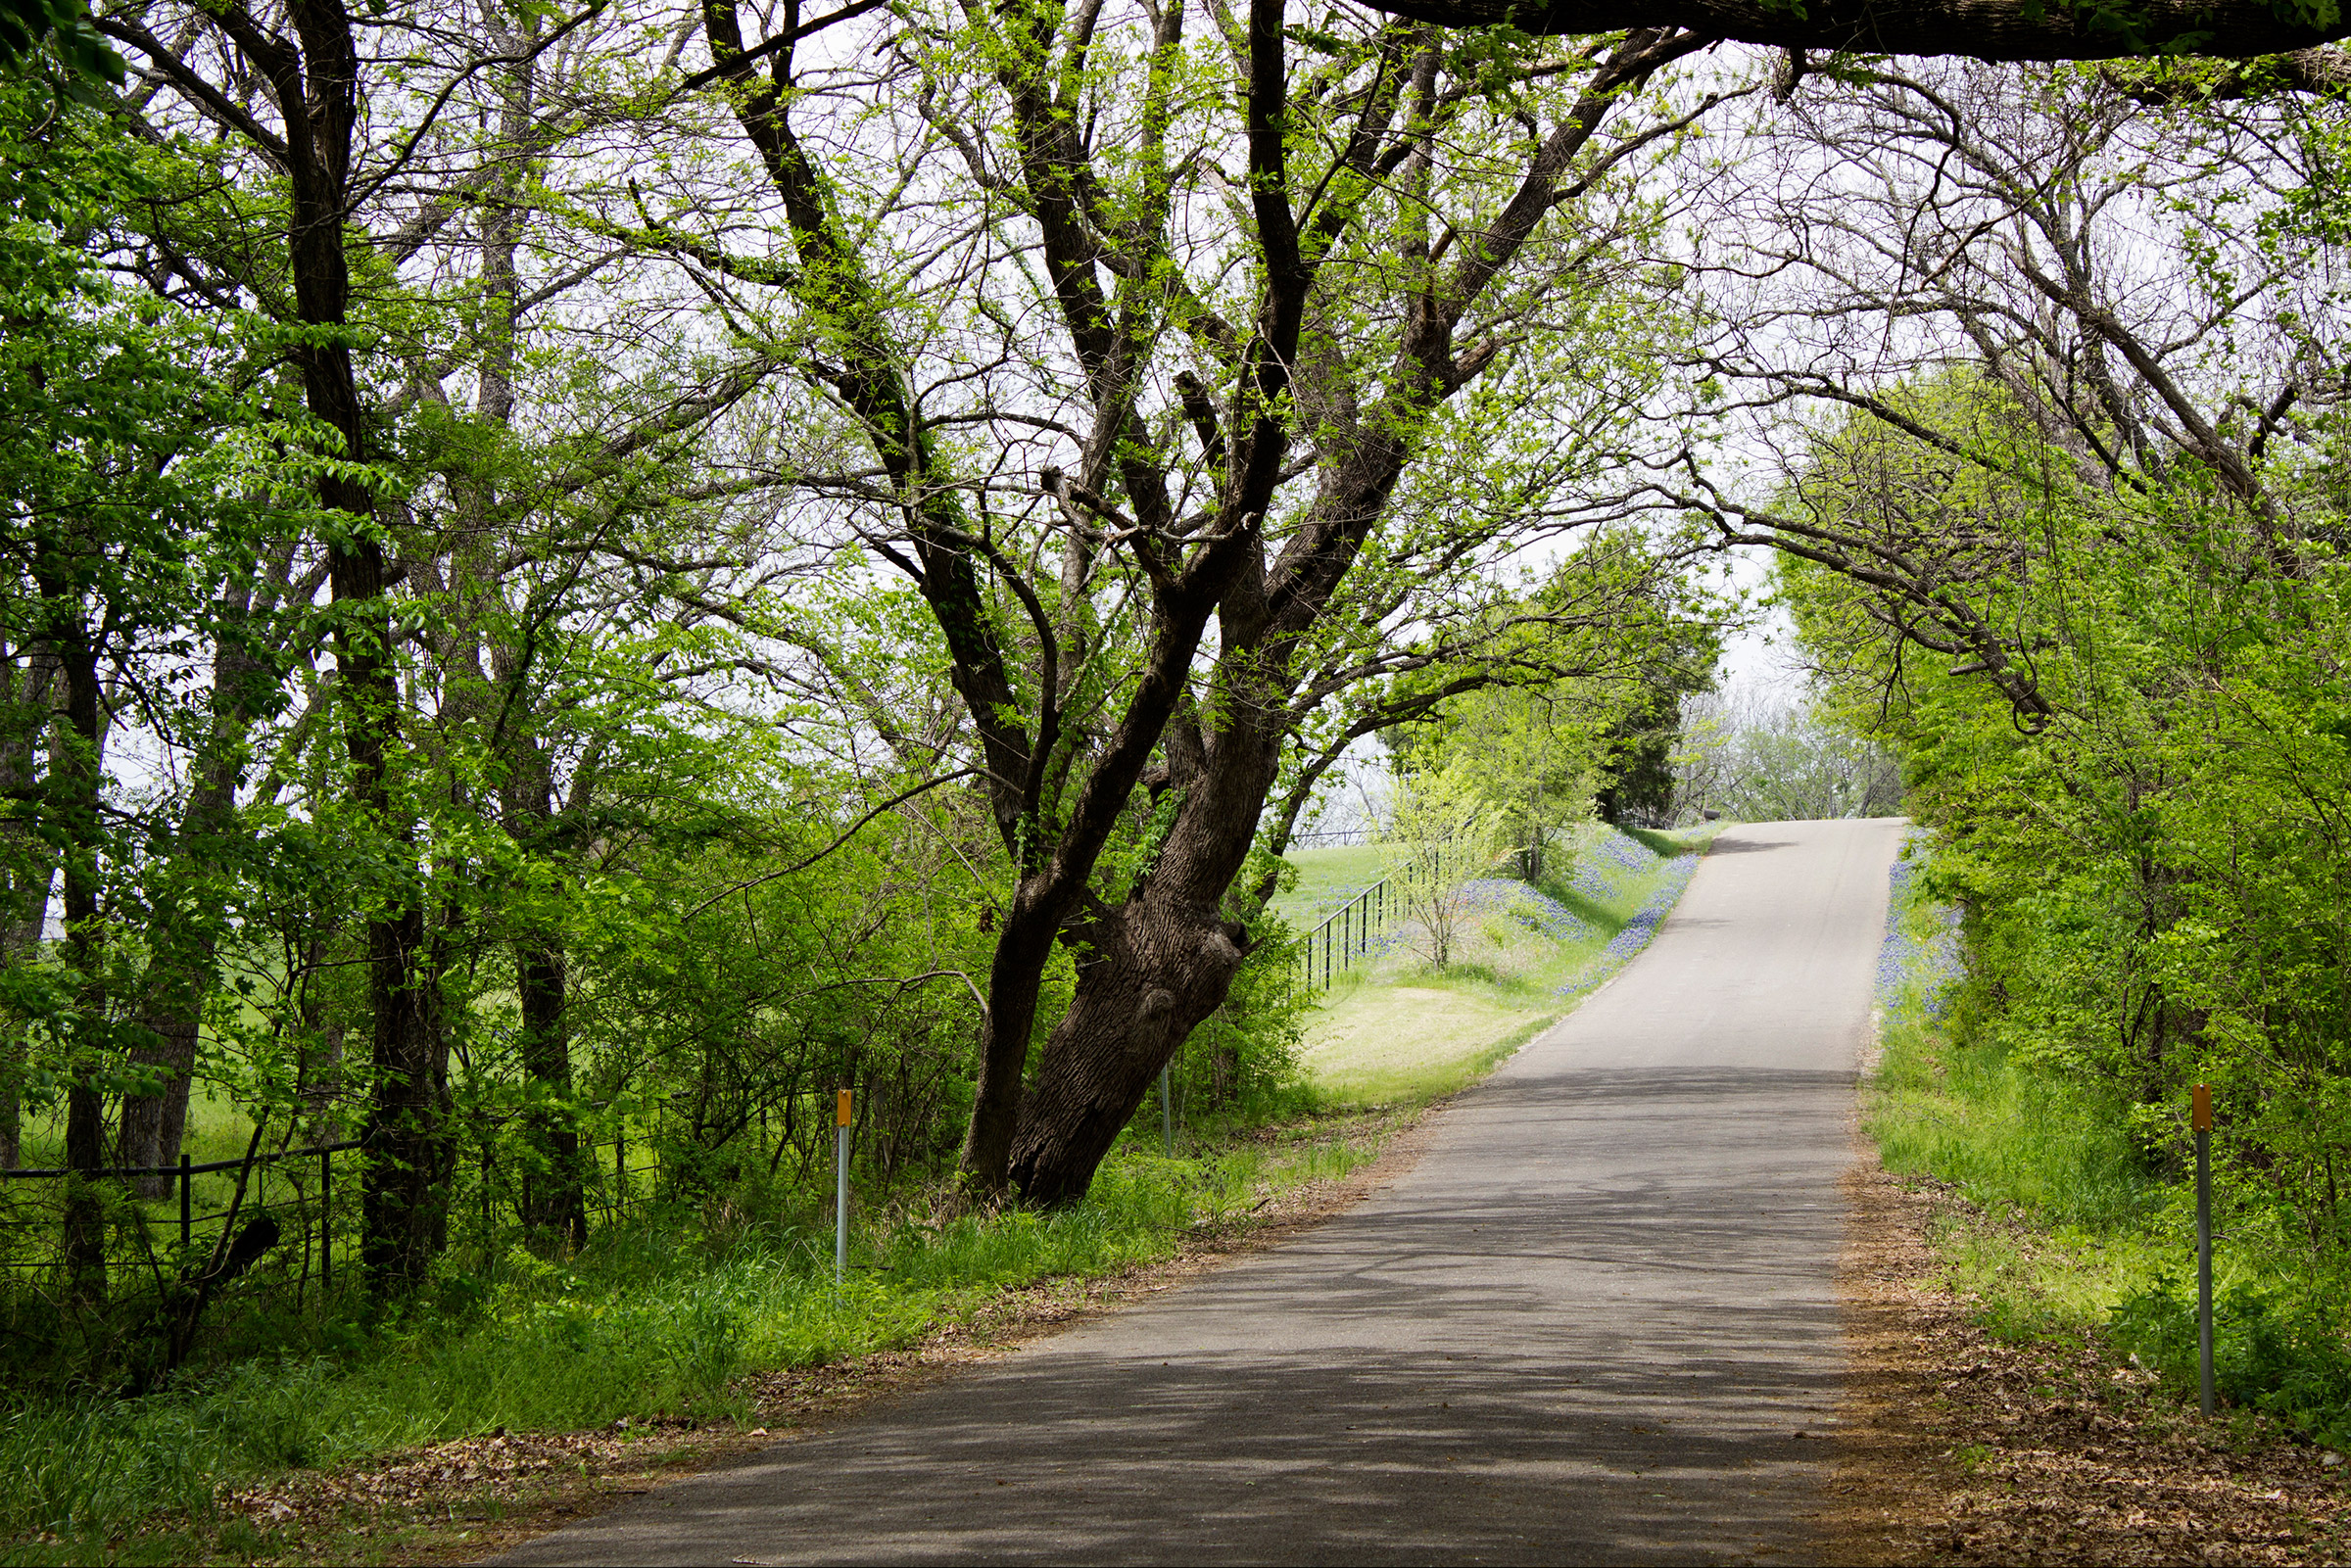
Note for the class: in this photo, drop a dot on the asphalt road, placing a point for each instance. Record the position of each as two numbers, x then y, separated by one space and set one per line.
1598 1320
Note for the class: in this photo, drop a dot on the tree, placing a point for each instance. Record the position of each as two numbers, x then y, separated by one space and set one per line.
1761 759
1079 676
2065 534
2003 30
1441 834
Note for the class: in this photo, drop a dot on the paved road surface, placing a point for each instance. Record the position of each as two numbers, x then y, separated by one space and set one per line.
1590 1323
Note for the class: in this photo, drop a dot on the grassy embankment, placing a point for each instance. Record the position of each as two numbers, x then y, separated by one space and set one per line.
2074 1229
1397 1030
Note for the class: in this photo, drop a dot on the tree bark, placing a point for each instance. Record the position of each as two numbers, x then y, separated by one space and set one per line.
1014 980
29 870
315 77
555 1199
1151 972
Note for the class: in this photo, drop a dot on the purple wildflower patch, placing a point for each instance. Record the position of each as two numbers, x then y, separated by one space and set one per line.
1643 924
1935 962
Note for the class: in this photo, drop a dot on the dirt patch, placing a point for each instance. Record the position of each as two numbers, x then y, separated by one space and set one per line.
466 1499
1956 1447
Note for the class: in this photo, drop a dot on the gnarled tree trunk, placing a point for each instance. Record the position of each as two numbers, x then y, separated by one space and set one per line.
1151 972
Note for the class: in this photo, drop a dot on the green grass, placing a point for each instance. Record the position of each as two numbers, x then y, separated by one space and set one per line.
2010 1139
1327 878
654 1320
1454 1041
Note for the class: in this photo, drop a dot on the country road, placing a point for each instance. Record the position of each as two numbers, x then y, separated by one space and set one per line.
1597 1321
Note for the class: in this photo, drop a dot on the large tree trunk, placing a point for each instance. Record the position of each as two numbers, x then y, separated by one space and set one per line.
1155 966
77 751
153 1124
315 80
28 868
400 1198
1153 972
554 1199
555 1194
1014 980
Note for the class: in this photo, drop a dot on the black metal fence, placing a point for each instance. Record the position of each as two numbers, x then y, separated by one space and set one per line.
164 1220
1346 936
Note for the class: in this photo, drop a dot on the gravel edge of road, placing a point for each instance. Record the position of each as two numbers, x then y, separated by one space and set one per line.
1956 1448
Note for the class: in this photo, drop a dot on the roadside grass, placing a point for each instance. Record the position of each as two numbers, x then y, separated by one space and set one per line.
2071 1232
1396 1029
1408 1045
662 1319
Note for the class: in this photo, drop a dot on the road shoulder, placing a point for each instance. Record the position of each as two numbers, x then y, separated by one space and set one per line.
1957 1448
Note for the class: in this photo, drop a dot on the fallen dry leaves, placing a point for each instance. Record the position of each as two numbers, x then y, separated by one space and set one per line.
1958 1449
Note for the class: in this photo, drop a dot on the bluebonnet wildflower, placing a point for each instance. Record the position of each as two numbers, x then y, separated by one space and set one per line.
1538 912
1935 963
1645 920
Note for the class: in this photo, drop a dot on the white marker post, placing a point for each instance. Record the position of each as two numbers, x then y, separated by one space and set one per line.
841 1188
2200 1118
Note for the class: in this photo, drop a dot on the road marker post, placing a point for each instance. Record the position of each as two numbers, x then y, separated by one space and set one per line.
841 1188
2200 1118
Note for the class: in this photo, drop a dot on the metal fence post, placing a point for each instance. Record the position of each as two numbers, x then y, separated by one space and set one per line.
841 1187
186 1233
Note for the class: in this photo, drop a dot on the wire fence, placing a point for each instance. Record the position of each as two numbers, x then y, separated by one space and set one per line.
163 1222
1346 936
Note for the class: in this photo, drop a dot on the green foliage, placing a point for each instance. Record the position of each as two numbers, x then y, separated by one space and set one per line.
2153 869
1759 760
1440 834
1579 713
26 26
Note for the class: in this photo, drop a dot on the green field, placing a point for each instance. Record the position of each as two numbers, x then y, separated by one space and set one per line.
1327 878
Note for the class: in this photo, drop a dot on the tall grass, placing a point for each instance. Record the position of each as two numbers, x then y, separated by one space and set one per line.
2010 1139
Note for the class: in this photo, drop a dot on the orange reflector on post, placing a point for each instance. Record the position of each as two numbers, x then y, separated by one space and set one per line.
841 1112
2200 1116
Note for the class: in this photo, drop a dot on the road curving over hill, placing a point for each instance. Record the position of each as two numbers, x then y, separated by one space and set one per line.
1597 1321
